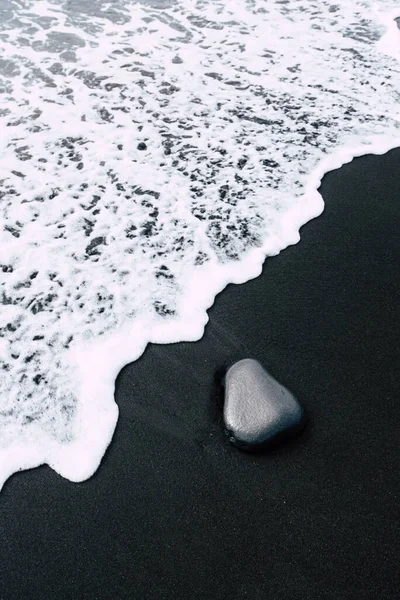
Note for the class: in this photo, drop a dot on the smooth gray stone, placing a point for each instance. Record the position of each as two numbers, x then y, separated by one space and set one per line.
258 410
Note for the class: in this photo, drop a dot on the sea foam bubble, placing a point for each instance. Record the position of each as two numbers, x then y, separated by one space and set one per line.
150 154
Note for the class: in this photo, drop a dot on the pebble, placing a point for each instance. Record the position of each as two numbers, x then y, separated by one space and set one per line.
257 409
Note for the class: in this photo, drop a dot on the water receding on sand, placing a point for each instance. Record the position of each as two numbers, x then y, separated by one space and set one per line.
151 153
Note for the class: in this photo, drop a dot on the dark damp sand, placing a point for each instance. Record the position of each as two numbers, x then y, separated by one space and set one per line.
174 512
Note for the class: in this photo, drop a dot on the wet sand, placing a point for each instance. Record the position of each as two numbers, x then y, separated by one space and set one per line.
176 513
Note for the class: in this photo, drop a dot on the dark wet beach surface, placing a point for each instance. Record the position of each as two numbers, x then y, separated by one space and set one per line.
174 512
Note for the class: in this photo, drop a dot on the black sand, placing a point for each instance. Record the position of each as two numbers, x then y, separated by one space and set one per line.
174 512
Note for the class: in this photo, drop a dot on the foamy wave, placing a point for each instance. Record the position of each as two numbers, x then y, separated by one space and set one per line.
150 154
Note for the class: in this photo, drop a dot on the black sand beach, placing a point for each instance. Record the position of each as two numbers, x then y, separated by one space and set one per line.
174 512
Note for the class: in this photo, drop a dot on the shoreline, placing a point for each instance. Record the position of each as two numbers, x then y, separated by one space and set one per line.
181 513
98 396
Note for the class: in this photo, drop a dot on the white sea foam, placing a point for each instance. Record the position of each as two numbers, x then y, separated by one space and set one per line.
243 106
